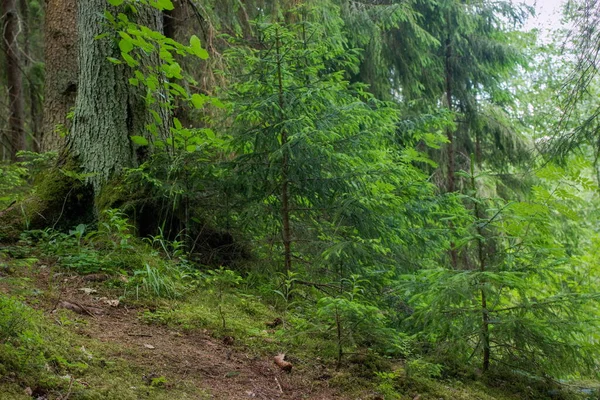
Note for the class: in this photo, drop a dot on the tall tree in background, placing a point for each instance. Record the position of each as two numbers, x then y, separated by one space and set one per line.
32 16
61 66
578 96
14 78
473 58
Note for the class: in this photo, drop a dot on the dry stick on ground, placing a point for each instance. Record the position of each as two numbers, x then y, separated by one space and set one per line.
278 385
62 290
66 396
76 307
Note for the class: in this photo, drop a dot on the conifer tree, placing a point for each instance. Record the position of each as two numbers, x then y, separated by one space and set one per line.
518 301
311 148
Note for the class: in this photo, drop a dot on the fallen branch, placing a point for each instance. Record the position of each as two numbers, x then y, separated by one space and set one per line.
76 307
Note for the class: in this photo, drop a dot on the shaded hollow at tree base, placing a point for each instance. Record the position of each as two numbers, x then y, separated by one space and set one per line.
58 201
154 215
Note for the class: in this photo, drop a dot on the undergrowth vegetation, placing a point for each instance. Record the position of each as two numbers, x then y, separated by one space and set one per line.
389 329
363 194
342 325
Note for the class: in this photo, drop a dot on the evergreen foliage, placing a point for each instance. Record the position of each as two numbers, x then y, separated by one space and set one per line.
518 287
361 172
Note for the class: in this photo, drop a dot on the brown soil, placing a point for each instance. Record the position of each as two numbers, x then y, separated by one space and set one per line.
224 371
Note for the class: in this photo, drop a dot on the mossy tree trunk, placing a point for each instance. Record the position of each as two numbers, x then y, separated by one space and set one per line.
108 110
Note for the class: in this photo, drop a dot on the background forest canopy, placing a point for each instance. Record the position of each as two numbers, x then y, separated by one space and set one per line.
421 175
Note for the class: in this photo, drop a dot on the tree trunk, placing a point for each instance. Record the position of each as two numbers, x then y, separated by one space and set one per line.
33 85
14 78
108 109
450 136
285 190
449 133
60 55
485 317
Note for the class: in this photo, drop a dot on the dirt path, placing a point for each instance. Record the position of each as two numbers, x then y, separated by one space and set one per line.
224 371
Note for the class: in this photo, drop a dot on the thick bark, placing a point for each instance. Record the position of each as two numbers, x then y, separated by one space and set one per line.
60 56
16 118
108 109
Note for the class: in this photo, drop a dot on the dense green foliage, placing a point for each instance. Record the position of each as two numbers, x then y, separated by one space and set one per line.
375 175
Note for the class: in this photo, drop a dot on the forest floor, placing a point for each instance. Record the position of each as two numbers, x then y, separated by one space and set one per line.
199 365
108 350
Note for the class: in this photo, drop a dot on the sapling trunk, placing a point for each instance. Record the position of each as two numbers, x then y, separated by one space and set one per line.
485 322
450 136
338 324
285 206
221 309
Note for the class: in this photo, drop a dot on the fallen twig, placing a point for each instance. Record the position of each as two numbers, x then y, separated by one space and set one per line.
279 385
66 396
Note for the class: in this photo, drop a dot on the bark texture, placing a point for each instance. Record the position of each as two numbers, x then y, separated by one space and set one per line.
14 78
108 109
60 55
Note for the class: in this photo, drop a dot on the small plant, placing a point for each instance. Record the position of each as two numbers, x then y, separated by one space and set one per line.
288 290
220 280
17 177
423 369
71 249
116 229
159 382
78 233
386 384
173 250
154 281
358 322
